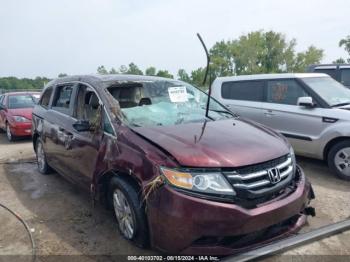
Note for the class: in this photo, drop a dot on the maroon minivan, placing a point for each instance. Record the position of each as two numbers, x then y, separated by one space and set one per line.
177 180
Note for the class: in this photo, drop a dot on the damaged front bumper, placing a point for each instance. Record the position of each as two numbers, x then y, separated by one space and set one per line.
184 224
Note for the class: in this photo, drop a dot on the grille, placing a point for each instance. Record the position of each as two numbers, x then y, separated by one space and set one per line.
261 179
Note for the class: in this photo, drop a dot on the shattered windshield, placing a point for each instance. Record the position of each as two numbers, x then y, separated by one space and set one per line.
164 103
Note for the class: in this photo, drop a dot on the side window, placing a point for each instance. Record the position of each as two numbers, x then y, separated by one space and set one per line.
244 90
62 98
284 91
87 105
331 72
107 126
345 76
45 98
1 98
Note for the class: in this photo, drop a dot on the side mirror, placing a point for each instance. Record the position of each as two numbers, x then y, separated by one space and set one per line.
305 101
82 125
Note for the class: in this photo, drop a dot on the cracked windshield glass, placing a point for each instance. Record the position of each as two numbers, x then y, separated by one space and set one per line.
164 103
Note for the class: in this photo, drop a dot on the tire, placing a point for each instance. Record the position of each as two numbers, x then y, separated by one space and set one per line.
339 159
9 135
133 213
43 166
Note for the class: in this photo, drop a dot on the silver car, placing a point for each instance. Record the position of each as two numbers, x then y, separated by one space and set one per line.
312 110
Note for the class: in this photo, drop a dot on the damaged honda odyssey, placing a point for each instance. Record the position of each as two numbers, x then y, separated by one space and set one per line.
181 175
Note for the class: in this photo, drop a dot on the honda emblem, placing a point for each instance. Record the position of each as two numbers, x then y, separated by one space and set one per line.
274 175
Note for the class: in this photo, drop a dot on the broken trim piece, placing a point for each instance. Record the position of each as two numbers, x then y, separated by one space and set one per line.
292 242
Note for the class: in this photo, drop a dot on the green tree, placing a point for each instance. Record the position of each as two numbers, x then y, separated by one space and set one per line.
164 73
102 70
197 77
62 75
311 56
151 71
113 71
346 44
260 52
134 70
183 76
339 61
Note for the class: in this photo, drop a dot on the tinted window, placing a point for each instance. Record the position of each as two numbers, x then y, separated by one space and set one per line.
245 90
284 92
20 101
45 99
345 77
63 96
330 72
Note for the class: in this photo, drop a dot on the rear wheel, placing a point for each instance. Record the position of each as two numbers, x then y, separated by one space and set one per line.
43 166
9 135
339 159
128 211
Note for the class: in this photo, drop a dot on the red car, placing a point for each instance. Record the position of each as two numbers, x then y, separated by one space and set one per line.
16 113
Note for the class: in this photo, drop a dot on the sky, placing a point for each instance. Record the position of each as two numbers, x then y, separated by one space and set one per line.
48 37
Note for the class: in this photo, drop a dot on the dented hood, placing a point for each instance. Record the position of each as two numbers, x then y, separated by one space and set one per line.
225 143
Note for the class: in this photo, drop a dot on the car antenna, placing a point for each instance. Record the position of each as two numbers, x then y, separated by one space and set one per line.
206 74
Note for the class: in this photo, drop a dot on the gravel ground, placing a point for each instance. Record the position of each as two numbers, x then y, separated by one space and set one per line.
63 222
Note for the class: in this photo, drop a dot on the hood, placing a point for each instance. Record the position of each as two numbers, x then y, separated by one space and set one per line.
225 143
25 112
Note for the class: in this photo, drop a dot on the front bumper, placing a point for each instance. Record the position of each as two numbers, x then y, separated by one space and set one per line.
185 224
21 129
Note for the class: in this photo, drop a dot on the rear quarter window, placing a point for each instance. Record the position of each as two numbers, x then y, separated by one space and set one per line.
45 98
243 90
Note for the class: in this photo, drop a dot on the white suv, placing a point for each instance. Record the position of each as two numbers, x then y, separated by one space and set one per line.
311 110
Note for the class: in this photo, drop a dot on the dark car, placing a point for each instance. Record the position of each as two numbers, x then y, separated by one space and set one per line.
340 72
16 113
177 180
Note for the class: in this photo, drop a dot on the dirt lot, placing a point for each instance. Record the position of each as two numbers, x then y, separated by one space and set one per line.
63 222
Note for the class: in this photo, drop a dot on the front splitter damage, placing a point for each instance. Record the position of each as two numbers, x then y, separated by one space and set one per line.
291 242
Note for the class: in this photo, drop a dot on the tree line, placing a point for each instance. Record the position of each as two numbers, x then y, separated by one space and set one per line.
253 53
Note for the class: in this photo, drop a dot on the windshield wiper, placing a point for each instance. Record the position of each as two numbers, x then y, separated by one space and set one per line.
224 112
341 104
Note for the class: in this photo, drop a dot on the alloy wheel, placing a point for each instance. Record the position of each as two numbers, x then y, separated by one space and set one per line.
342 161
40 156
8 133
124 214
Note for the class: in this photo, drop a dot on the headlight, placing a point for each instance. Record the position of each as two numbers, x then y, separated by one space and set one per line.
207 183
292 154
20 119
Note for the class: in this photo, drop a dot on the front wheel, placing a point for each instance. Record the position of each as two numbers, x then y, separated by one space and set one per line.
43 166
128 211
9 135
339 159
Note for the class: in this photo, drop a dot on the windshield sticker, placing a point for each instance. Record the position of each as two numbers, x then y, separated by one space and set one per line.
178 94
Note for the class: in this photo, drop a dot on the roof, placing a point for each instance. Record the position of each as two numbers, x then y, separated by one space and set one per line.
271 76
112 77
21 93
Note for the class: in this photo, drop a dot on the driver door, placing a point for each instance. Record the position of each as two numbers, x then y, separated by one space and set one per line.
85 145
